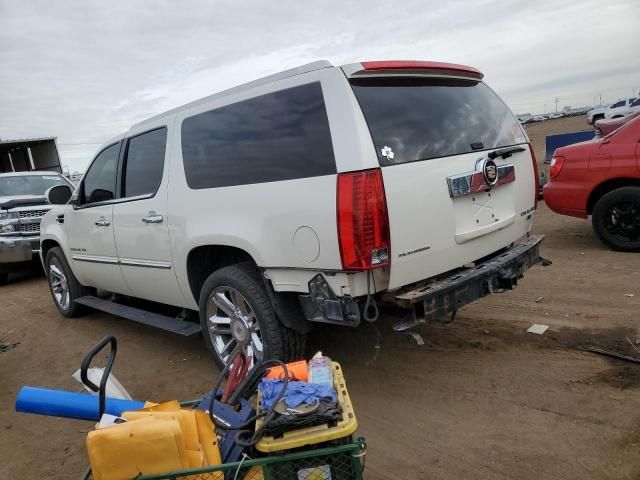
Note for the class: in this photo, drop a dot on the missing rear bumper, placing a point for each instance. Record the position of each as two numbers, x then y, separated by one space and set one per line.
324 306
440 298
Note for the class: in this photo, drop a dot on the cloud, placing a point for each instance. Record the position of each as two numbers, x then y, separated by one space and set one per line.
87 71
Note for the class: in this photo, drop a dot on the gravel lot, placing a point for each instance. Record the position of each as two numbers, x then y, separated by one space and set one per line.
481 399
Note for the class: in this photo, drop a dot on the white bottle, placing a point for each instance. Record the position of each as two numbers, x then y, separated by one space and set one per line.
320 370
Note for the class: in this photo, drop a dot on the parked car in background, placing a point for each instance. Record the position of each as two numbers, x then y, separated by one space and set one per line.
555 115
601 178
596 114
623 111
22 206
605 127
306 196
621 108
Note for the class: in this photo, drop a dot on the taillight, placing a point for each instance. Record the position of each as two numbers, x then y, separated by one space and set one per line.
556 166
537 175
363 223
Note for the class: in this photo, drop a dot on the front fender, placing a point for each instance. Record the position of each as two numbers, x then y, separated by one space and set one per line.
51 230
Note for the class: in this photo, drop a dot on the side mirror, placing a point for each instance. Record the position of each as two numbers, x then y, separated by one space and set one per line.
59 195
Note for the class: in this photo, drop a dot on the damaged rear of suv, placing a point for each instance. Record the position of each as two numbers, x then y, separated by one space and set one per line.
456 193
307 196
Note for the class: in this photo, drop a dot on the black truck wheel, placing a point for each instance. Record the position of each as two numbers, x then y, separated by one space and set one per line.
616 219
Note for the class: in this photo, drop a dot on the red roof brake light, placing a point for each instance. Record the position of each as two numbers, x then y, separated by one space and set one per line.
363 222
416 65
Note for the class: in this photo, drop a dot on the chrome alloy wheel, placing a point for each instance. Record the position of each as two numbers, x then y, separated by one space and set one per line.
231 320
59 286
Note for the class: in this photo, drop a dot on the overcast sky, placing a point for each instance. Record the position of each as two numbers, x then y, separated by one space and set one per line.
85 71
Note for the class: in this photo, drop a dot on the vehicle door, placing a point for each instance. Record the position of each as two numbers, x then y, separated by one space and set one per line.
88 222
140 218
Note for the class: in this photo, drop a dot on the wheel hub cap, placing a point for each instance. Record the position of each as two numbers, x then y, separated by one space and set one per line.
59 286
239 330
232 322
623 221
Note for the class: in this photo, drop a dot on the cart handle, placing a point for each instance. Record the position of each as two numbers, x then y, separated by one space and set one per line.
86 361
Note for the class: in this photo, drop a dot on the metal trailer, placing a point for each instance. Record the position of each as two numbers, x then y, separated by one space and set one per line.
29 154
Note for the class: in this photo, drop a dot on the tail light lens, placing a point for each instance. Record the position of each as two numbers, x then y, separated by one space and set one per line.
363 222
556 166
537 175
597 131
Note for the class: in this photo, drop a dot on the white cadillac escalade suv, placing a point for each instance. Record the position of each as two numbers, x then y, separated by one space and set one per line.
308 196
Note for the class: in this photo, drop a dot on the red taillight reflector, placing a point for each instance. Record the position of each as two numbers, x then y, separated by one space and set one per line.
556 166
415 65
363 222
535 174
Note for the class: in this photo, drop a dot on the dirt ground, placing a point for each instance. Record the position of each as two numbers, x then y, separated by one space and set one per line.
481 399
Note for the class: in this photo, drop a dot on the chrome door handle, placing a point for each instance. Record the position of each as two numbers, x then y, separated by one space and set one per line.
103 222
152 219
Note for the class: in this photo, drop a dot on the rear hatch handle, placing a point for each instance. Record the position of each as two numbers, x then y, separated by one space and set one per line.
505 152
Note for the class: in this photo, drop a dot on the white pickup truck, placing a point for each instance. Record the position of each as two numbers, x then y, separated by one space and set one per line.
308 196
22 206
618 109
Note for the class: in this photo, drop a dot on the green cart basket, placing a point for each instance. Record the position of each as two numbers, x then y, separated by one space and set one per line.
343 462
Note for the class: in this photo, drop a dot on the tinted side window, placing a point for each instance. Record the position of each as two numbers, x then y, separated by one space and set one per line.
619 104
144 163
99 183
278 136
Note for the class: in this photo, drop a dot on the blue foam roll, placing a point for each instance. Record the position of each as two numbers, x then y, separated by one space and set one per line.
60 403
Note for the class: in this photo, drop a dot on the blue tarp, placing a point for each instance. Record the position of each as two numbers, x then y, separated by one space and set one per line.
563 139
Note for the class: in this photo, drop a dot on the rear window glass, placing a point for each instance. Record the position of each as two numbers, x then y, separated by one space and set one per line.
412 118
279 136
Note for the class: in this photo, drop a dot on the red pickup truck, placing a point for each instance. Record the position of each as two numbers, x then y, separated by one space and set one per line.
601 178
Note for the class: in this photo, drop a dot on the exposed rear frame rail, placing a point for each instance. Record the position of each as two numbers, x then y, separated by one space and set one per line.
441 298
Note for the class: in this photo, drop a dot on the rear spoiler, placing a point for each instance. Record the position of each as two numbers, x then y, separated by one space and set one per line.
411 67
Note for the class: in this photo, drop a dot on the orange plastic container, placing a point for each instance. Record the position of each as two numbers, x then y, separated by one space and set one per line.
297 371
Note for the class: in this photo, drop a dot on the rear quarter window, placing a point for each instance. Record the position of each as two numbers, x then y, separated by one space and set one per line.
419 118
278 136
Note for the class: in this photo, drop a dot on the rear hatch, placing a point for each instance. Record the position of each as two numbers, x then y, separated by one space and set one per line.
434 134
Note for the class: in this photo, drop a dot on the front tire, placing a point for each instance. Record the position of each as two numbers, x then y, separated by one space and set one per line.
234 307
616 219
63 284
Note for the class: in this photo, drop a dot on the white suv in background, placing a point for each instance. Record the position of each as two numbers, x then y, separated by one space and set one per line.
622 108
308 196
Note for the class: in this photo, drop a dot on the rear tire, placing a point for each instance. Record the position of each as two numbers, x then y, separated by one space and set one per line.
616 219
63 284
233 306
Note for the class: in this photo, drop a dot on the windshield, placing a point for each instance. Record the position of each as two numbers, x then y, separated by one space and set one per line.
15 185
414 118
